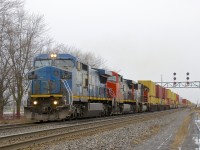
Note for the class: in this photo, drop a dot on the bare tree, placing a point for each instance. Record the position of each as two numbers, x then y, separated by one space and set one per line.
4 80
93 60
25 40
7 9
22 37
86 57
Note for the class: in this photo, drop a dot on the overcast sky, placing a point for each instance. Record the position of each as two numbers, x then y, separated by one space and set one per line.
141 39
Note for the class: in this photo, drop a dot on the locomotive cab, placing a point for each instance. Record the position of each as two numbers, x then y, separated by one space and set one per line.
50 93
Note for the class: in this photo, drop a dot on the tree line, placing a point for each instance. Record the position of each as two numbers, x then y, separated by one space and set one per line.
22 36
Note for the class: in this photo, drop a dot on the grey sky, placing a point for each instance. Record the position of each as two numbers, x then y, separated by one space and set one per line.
140 38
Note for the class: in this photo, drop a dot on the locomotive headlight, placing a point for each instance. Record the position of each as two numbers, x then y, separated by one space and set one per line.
35 102
55 102
53 55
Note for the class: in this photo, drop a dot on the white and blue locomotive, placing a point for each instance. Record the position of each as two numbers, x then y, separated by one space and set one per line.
61 86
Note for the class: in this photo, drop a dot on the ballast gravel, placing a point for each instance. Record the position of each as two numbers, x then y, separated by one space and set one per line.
10 132
148 135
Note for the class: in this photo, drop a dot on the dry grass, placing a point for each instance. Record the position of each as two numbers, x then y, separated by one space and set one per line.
181 133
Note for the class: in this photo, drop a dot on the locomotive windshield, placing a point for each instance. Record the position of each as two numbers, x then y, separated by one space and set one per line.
66 63
42 63
112 78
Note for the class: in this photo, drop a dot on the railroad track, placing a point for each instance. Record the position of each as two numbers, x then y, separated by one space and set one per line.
36 139
15 126
36 124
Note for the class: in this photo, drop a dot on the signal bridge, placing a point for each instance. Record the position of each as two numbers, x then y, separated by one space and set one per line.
191 84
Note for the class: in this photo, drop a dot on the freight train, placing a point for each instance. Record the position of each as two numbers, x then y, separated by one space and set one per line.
62 87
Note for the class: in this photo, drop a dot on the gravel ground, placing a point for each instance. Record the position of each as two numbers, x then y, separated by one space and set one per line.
151 135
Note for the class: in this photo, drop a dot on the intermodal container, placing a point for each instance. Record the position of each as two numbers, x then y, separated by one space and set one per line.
169 94
177 98
164 102
164 93
184 101
187 102
158 91
151 85
180 100
151 100
173 98
158 101
168 102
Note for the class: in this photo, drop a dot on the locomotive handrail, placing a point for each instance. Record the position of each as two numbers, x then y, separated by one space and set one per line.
112 94
25 97
28 85
67 89
69 92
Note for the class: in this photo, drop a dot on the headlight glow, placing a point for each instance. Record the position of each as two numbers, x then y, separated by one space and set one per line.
55 102
53 55
35 102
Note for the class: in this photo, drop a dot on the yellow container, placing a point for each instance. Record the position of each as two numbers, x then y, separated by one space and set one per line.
172 102
155 100
151 100
159 101
163 101
151 85
169 94
172 98
172 95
